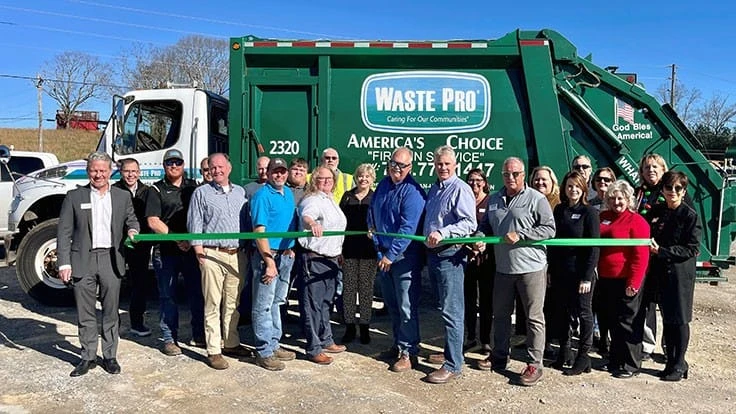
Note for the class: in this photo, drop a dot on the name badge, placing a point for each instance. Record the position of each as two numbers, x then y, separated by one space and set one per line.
575 216
606 222
86 206
482 210
492 207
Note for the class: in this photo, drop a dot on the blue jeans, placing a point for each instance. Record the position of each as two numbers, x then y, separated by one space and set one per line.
401 287
448 268
167 268
267 298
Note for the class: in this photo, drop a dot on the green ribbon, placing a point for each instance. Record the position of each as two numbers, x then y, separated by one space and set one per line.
457 240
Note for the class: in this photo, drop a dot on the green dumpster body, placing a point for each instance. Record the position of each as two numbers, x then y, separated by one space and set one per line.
527 94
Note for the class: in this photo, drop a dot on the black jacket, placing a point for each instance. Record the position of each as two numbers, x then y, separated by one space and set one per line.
671 275
573 264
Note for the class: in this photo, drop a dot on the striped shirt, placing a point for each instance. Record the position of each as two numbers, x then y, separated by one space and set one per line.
213 210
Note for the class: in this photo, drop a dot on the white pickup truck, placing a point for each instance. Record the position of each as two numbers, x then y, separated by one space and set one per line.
15 164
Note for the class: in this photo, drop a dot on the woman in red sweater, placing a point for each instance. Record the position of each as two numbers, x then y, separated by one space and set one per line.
621 272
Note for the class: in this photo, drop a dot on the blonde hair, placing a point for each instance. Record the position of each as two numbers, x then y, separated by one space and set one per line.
652 157
554 195
366 169
312 187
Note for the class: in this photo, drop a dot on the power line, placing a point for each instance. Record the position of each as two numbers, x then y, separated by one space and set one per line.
36 78
53 29
98 20
202 19
147 62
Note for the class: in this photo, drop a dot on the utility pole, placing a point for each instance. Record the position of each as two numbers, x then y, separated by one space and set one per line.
672 86
39 88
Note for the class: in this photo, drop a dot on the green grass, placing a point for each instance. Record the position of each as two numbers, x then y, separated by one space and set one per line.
66 144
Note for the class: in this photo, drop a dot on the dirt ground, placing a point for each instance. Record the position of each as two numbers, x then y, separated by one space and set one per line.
39 347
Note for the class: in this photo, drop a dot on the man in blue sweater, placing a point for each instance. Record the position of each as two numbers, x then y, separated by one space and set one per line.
397 207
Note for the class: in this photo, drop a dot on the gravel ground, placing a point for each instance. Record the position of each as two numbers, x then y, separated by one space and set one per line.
39 347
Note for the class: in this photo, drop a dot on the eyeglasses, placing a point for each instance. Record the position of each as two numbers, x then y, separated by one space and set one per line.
399 165
475 180
171 163
604 179
329 158
580 167
324 178
509 174
675 188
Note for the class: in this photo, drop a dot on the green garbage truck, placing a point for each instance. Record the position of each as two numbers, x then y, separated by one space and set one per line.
527 94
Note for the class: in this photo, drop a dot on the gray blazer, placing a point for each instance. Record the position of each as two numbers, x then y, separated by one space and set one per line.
74 235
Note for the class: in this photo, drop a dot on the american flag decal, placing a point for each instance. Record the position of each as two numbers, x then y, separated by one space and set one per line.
625 111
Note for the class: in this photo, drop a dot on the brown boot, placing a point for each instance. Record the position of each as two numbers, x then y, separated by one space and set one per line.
217 361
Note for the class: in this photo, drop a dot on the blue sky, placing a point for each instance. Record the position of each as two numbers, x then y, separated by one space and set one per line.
638 36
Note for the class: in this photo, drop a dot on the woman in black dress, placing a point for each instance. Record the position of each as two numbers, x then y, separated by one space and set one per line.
573 270
675 245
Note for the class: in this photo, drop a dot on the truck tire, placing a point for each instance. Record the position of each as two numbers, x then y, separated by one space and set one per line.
36 266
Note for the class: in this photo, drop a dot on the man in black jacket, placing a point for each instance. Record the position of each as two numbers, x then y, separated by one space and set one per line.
139 257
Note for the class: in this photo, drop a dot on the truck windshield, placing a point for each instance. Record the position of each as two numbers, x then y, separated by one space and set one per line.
150 126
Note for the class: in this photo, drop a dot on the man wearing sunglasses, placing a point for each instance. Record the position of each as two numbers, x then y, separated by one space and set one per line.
517 213
344 181
582 164
396 207
166 212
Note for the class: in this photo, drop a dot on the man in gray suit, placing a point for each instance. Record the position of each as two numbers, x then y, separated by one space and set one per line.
93 224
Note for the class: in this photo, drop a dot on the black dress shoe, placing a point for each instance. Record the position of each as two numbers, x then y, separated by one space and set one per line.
111 366
625 374
82 368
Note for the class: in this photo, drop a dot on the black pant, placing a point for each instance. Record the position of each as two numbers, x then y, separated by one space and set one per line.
85 293
677 338
619 311
139 277
316 292
479 300
574 305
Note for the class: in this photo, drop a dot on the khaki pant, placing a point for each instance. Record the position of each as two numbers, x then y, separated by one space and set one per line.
221 286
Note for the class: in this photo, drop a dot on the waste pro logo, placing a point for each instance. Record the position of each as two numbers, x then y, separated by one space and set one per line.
425 102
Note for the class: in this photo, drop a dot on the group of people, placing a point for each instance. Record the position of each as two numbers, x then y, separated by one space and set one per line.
556 290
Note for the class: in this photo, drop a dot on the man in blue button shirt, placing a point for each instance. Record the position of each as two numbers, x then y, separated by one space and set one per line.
449 213
272 210
217 207
397 207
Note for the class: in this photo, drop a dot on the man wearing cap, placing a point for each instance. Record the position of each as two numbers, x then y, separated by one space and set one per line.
166 212
272 210
217 207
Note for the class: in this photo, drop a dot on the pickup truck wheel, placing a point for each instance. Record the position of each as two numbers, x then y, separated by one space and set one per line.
36 266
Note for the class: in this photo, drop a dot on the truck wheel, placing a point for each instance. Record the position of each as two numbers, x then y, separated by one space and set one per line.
36 266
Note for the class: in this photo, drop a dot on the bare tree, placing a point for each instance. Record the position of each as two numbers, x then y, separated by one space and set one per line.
192 60
716 113
685 99
73 78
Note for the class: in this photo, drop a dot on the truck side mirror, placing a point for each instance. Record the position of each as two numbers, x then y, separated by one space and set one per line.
119 114
4 154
